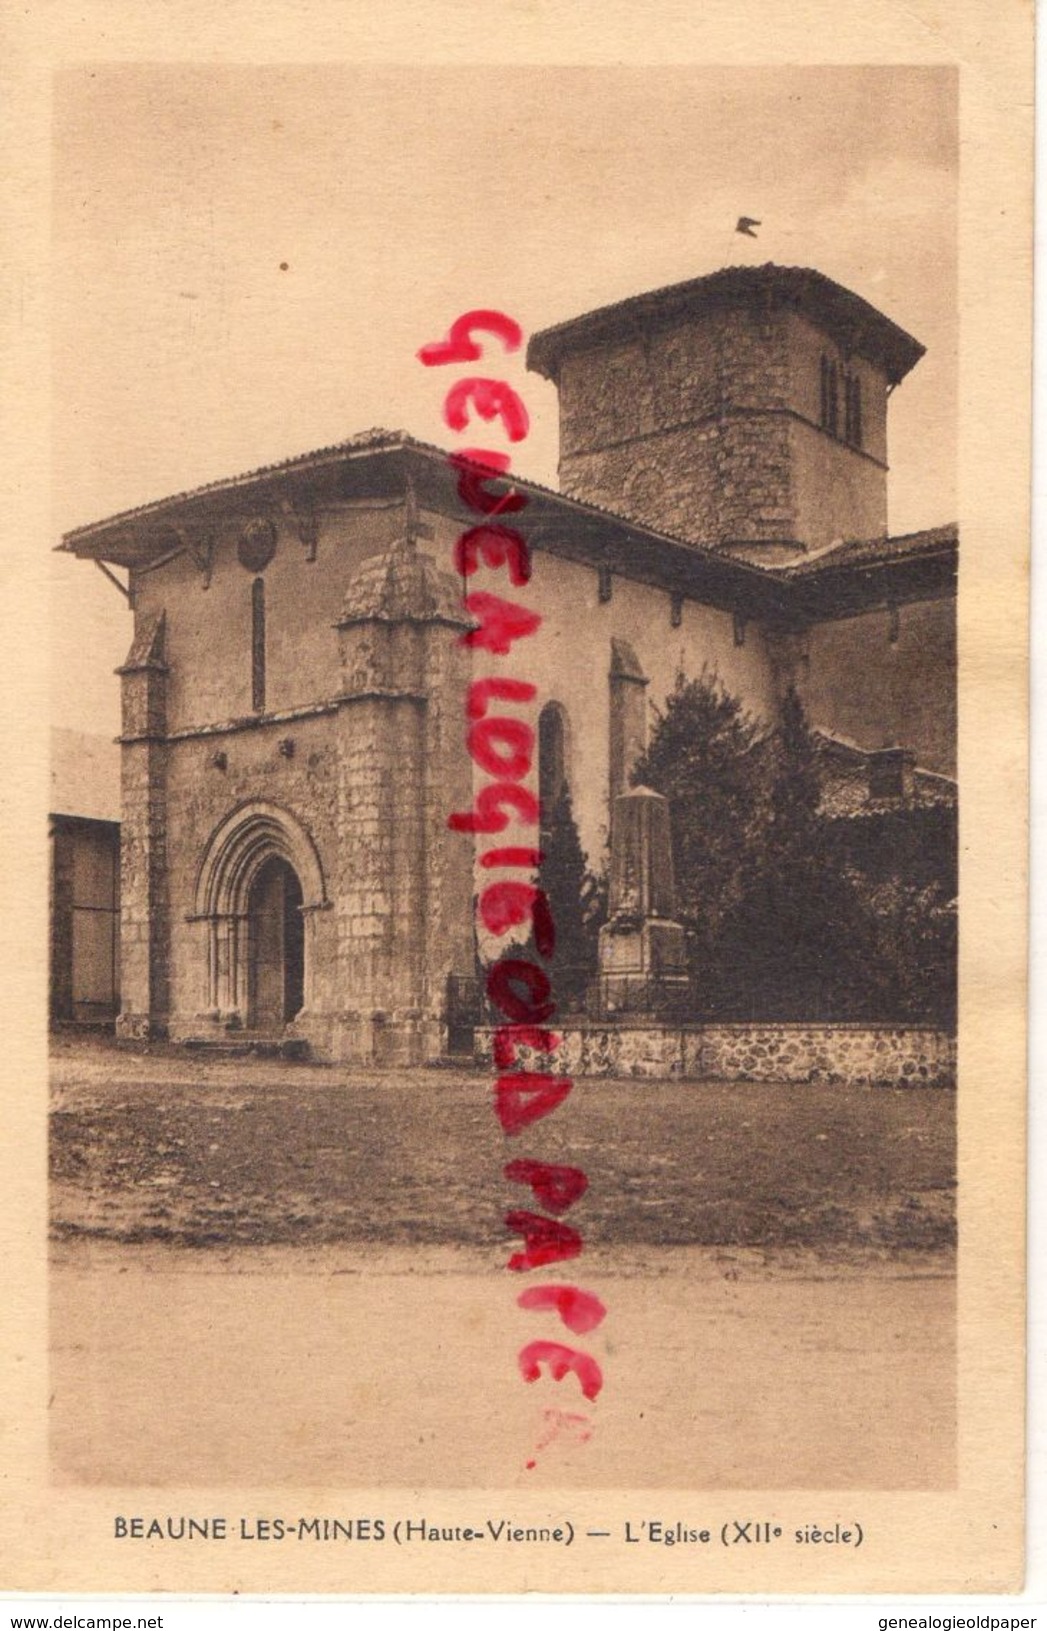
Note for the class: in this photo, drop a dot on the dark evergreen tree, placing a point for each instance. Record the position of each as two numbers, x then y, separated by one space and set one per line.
785 921
795 785
576 897
793 914
798 942
708 757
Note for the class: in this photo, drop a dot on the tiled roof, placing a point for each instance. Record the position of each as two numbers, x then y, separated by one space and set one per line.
859 325
363 440
844 777
871 551
558 522
382 441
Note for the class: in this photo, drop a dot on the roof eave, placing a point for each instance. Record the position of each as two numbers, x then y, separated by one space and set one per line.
839 308
565 526
100 540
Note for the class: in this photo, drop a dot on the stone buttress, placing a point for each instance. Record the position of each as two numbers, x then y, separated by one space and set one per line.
403 894
144 910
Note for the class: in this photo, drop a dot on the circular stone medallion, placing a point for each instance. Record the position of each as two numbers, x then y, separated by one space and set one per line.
257 544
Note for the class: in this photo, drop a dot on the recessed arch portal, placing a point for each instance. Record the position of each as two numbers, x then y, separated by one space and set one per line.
259 882
275 945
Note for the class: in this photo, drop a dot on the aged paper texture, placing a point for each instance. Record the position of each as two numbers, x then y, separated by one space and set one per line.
518 981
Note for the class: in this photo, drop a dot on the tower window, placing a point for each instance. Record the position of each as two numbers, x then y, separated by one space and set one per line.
853 410
830 397
258 645
604 582
851 429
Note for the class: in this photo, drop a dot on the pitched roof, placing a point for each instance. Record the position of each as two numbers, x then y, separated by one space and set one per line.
382 462
857 325
845 789
114 539
871 551
364 440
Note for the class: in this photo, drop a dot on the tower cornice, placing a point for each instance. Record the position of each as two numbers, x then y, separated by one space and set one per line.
857 327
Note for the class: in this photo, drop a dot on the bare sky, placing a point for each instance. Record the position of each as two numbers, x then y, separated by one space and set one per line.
248 258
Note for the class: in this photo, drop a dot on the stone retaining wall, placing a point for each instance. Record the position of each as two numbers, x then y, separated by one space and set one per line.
857 1055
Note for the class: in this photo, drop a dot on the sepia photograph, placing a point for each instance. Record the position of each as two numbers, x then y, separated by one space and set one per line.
682 681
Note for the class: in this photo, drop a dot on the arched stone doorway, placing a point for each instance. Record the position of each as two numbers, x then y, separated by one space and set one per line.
275 946
258 887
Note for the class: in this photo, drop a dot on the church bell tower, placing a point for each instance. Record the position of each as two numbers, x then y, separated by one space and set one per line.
745 411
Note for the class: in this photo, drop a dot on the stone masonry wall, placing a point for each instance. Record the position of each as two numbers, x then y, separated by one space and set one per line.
852 1055
680 433
291 765
904 688
710 429
878 1056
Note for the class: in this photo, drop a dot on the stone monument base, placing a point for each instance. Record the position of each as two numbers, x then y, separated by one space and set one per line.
642 950
652 948
643 967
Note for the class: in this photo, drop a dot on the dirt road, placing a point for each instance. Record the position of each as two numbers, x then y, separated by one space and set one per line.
345 1366
283 1275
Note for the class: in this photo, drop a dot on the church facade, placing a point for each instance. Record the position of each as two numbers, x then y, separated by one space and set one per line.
294 696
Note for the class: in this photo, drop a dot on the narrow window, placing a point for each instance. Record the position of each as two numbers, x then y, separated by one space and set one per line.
676 610
852 410
830 397
258 645
552 759
604 582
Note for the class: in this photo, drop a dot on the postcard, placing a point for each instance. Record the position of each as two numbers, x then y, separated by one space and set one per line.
516 846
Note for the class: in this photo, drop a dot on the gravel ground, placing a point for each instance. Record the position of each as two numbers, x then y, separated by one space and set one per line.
161 1145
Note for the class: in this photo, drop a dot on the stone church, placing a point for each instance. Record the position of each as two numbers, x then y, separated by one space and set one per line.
293 698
